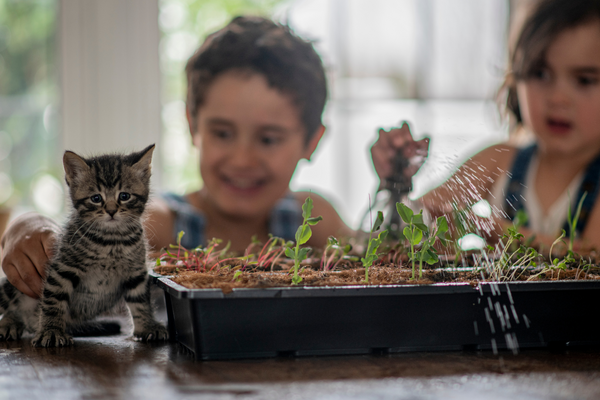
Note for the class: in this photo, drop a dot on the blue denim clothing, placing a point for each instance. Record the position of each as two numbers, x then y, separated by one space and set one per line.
285 218
514 195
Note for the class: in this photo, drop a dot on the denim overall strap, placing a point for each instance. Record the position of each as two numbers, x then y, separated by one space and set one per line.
187 219
286 217
514 195
589 185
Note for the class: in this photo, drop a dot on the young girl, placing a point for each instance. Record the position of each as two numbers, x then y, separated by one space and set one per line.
554 93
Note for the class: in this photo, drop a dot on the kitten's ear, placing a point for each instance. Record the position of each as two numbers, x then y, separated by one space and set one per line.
142 160
75 166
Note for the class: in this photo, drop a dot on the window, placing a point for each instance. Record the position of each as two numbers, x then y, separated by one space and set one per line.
29 173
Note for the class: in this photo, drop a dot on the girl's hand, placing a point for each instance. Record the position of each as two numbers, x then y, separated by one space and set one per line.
392 142
27 245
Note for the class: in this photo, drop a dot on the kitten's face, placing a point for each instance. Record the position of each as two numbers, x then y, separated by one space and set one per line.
110 190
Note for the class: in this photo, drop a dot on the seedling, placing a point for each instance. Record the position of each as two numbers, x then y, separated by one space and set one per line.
237 276
373 245
198 258
513 254
573 220
337 250
303 234
416 231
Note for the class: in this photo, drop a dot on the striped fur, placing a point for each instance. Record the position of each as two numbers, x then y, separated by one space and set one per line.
100 256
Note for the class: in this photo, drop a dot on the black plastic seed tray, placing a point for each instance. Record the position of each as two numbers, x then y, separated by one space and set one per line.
310 321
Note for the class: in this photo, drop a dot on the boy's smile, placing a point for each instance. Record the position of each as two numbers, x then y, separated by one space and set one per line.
250 138
560 102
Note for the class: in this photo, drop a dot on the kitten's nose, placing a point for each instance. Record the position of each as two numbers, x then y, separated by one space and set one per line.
111 211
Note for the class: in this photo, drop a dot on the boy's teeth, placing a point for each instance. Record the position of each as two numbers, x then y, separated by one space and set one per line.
243 183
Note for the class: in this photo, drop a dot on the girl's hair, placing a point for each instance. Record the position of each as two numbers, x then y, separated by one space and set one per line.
547 19
259 45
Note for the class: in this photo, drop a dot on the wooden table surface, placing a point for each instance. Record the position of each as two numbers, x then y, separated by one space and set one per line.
121 368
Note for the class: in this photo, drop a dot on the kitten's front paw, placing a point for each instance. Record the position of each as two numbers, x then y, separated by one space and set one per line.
10 330
154 333
52 338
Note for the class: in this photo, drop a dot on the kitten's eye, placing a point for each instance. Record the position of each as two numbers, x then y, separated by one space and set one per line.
124 196
96 198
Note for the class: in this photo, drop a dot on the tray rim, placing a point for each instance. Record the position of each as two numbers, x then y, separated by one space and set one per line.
179 291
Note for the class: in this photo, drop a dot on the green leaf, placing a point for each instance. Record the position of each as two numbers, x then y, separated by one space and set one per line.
405 212
296 279
314 220
382 236
303 234
442 225
179 236
158 262
433 257
254 239
307 208
422 227
347 248
407 233
331 241
418 218
378 222
303 253
289 253
416 238
236 276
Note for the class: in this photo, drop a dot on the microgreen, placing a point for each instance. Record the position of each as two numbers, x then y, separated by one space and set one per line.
303 234
513 254
373 244
332 250
573 220
198 258
416 231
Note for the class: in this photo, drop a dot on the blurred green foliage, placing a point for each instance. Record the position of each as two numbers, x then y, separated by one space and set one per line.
28 95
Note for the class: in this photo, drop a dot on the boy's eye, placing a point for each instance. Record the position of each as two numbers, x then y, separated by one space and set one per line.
586 80
270 140
123 196
96 198
221 133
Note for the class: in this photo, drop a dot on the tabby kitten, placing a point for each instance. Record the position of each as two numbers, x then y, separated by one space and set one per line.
99 258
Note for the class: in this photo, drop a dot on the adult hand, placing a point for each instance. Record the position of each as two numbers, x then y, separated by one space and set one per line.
27 245
395 140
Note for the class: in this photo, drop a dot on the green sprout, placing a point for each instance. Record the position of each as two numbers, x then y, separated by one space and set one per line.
416 231
513 254
337 250
303 234
373 245
573 220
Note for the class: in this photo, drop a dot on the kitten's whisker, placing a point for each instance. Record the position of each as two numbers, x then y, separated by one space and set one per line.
75 233
86 232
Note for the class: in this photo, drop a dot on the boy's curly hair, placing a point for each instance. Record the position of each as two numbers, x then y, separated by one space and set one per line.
546 20
255 44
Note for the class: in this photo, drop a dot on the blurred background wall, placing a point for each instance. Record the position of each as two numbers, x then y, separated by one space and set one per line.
107 75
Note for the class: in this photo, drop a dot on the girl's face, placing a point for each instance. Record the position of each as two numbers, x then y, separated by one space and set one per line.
250 138
560 102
